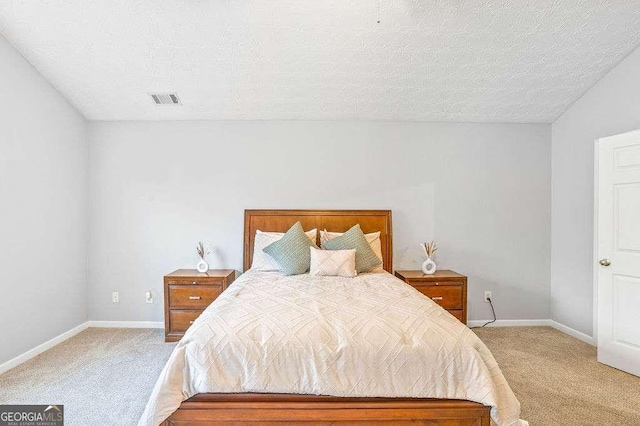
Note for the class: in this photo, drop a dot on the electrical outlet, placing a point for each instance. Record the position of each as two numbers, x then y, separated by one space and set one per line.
487 296
115 297
148 297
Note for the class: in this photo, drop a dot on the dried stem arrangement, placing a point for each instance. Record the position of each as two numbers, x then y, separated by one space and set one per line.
202 251
429 249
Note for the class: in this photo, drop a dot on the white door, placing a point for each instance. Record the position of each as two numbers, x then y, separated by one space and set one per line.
618 251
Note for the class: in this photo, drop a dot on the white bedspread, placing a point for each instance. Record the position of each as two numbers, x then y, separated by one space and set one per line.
369 336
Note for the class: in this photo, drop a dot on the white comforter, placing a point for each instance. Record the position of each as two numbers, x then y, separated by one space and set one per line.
369 336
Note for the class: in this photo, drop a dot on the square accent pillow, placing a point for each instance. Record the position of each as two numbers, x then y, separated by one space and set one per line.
366 258
373 239
262 261
291 252
333 263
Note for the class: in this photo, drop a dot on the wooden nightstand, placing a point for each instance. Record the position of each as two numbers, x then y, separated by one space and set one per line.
187 293
447 288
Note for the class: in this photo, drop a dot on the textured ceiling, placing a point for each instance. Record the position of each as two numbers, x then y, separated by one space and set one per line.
437 60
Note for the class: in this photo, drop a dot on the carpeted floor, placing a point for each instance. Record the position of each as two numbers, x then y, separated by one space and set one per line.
105 376
558 381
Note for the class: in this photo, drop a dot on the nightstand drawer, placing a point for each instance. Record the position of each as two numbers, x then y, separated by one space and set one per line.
458 313
181 320
437 282
449 297
202 280
192 297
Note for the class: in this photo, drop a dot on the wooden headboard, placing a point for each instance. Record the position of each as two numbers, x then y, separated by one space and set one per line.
331 220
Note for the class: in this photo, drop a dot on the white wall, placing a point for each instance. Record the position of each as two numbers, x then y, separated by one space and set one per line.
482 191
612 106
43 208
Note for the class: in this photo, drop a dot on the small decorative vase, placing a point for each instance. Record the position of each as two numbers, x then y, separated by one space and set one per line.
203 266
429 266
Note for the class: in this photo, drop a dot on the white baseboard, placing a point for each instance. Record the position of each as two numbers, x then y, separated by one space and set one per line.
574 333
537 323
511 323
126 324
43 347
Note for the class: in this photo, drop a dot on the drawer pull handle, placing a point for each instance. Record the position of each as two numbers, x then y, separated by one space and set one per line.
194 283
191 322
437 298
195 297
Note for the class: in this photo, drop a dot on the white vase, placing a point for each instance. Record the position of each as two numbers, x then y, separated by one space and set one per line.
202 266
429 266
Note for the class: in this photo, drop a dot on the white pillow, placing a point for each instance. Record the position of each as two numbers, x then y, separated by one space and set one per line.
262 261
373 239
333 263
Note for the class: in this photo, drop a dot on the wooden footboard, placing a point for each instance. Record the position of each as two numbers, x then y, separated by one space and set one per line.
273 409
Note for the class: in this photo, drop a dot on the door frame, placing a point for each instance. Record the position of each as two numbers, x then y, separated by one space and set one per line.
596 235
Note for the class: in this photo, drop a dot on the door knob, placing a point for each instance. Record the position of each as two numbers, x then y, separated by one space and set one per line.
605 262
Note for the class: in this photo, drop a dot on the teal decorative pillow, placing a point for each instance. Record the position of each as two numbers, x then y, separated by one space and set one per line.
291 252
366 258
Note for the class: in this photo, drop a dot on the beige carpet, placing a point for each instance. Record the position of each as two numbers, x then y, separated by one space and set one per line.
558 381
105 376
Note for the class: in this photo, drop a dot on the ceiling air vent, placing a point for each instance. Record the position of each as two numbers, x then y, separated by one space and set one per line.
166 99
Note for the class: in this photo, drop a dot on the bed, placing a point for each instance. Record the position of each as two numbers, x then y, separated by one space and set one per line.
187 393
